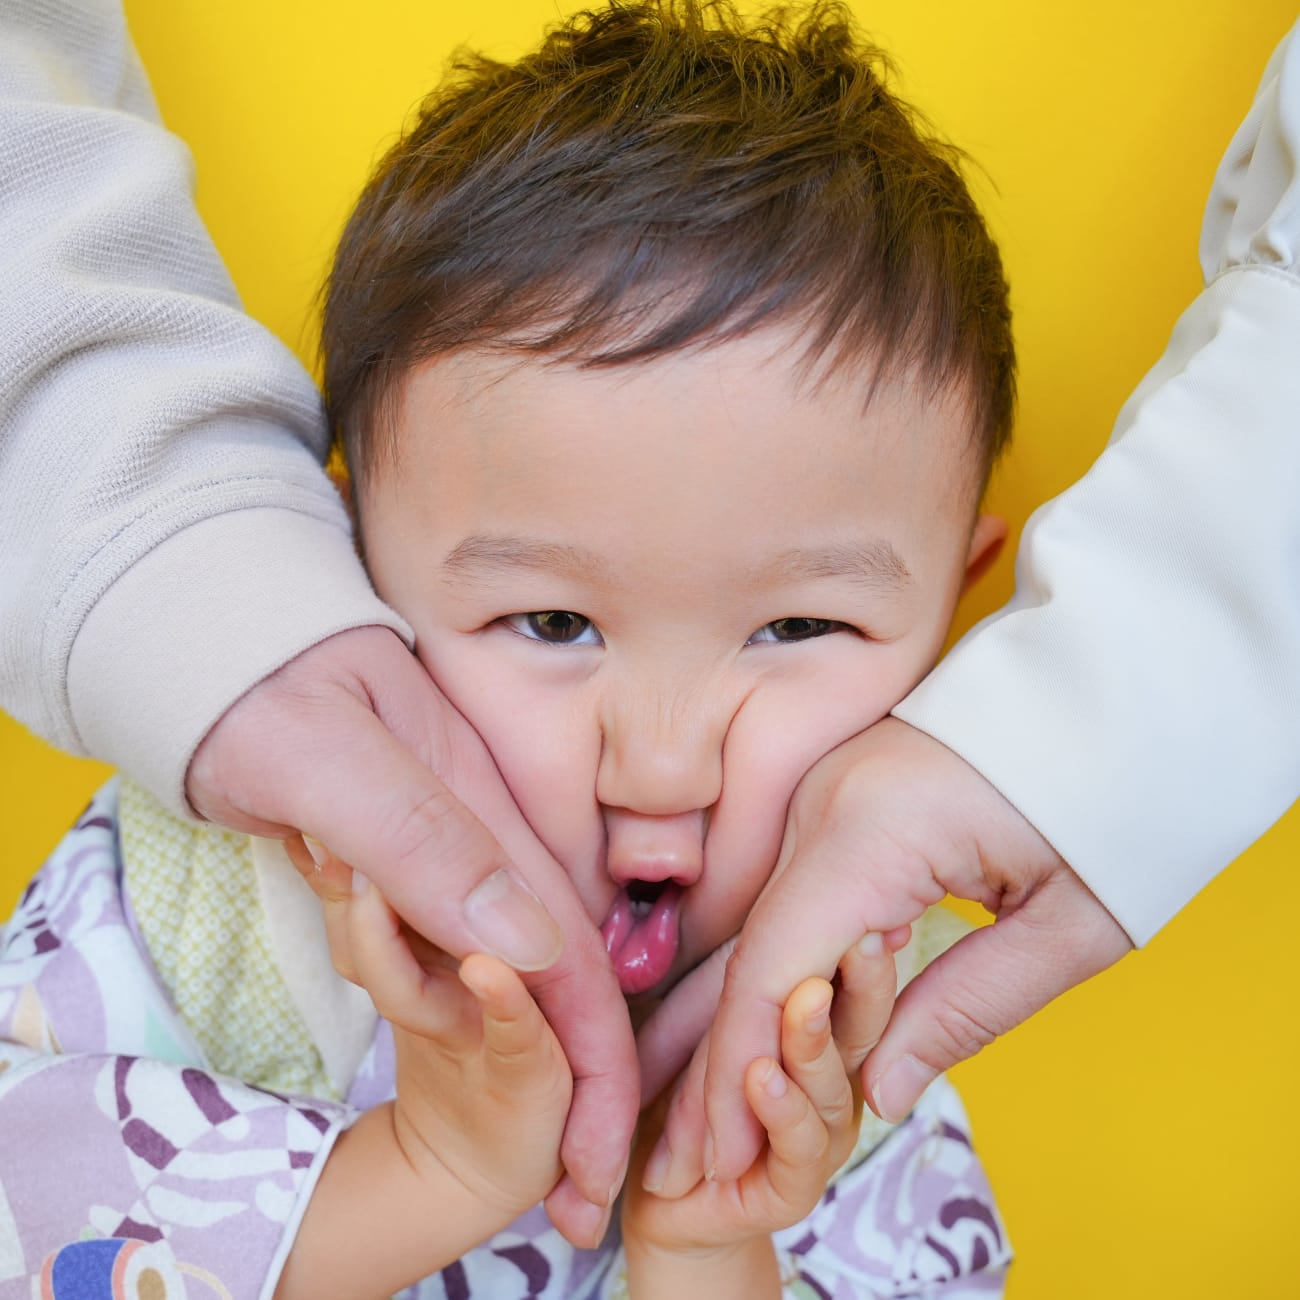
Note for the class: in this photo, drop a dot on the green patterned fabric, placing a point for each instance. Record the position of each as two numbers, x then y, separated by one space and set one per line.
193 889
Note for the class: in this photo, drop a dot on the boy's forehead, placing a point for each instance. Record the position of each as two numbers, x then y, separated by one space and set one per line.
749 416
479 382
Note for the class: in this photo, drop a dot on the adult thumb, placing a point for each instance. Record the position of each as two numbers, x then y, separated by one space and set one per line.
388 815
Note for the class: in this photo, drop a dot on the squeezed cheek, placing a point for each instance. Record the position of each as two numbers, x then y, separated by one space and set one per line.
546 756
778 734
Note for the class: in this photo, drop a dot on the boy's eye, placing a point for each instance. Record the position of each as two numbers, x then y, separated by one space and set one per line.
555 626
795 629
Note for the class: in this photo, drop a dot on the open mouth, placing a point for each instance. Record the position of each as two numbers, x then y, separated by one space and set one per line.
641 933
642 895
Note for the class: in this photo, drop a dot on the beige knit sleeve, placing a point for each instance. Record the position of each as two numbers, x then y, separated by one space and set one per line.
167 534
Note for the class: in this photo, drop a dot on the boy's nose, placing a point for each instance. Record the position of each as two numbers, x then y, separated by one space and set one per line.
662 756
654 848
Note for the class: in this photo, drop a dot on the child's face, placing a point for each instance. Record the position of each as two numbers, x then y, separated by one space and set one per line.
661 592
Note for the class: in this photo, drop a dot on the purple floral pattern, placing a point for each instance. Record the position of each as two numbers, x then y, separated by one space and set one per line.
121 1151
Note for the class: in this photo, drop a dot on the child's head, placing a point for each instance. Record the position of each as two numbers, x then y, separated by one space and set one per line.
670 363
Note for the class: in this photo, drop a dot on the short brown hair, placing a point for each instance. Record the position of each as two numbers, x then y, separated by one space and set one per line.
659 175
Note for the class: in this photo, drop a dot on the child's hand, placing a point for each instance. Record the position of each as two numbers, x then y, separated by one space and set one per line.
473 1137
809 1111
483 1088
866 987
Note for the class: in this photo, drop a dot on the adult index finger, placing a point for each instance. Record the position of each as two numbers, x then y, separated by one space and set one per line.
450 878
989 982
807 919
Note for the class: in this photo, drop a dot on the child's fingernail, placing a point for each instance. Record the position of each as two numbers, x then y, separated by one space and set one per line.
872 945
773 1080
818 1020
901 1084
360 883
656 1168
710 1164
509 921
320 855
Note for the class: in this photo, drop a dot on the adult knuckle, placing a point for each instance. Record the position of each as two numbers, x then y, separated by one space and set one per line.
435 825
967 1028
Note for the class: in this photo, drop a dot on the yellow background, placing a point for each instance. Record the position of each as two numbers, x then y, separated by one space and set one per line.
1140 1132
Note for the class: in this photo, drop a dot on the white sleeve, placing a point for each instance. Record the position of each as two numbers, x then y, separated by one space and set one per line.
1139 697
168 535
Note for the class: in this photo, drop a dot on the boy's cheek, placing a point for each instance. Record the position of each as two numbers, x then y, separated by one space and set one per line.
776 737
546 757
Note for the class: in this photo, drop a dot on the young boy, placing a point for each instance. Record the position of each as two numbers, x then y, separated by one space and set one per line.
669 365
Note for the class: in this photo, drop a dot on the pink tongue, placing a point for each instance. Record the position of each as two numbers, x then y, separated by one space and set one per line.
642 948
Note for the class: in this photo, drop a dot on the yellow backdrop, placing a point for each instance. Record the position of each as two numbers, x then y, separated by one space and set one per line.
1139 1132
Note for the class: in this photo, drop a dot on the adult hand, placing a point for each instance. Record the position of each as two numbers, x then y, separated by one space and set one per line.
341 745
880 829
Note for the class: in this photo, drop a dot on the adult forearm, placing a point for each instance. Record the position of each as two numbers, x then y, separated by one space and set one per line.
157 447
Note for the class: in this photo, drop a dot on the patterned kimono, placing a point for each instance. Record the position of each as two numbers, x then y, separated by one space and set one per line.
144 1155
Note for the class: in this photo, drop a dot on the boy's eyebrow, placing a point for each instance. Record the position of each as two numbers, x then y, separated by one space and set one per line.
873 564
480 554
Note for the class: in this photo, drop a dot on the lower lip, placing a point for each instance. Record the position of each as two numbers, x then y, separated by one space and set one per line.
642 949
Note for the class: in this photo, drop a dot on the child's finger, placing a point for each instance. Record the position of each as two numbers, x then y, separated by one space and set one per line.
514 1028
812 1060
426 1000
798 1154
868 987
331 881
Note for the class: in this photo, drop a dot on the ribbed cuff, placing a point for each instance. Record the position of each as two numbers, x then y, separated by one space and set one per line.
197 622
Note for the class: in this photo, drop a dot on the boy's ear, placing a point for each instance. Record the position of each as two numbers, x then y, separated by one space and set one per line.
986 541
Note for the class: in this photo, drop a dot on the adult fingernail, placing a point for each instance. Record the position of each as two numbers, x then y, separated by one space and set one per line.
508 921
617 1185
360 884
656 1168
901 1084
710 1164
593 1220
